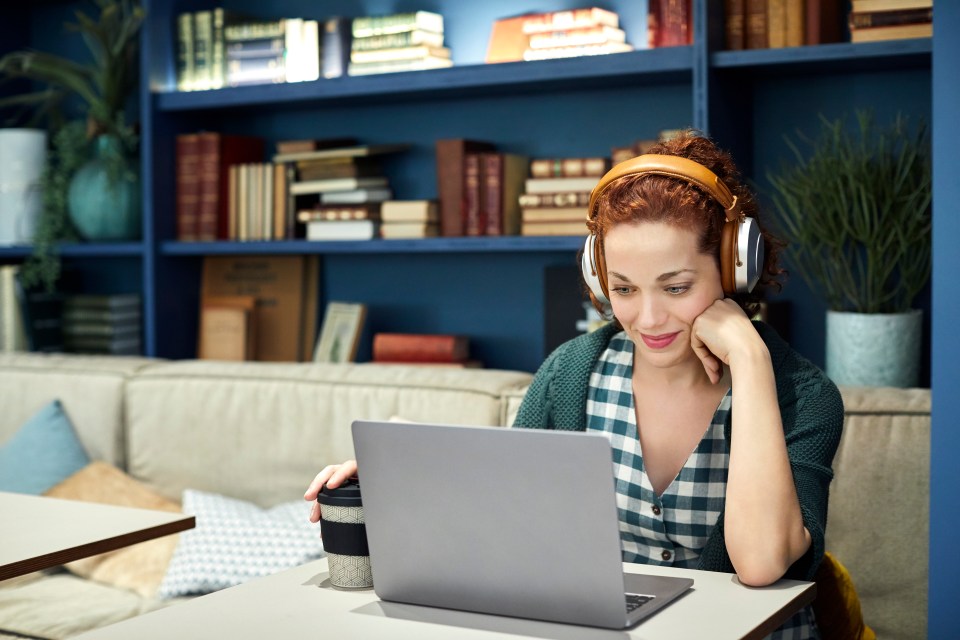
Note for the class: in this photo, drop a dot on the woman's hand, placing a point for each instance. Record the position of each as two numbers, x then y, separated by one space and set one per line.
333 476
721 334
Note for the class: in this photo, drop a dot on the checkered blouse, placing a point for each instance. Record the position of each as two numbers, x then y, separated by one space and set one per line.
670 529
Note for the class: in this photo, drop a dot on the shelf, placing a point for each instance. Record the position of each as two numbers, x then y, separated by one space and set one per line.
841 57
82 250
524 244
654 66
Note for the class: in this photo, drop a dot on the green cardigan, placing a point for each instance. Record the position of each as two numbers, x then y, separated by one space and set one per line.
810 406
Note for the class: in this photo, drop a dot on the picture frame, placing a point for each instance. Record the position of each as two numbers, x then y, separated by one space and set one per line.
340 332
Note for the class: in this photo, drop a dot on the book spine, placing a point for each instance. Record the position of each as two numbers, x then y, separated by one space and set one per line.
217 55
185 54
776 24
366 26
397 40
335 48
756 33
577 37
202 48
256 30
280 193
491 167
233 183
568 167
865 20
188 186
402 347
794 23
266 48
559 199
472 195
449 155
290 210
570 19
208 176
823 22
344 212
733 24
418 52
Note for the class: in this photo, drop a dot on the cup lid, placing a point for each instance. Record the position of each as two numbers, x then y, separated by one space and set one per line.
346 495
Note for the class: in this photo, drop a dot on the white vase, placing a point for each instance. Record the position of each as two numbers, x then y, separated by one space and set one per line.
23 154
874 349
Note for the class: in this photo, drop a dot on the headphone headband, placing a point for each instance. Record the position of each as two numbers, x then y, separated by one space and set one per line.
672 167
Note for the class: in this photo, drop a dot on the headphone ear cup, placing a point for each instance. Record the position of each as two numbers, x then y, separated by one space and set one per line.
590 277
741 256
728 257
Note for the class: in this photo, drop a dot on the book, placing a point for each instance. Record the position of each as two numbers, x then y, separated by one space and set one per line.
416 52
733 28
824 23
340 332
340 212
565 20
335 47
776 23
395 230
328 171
397 40
862 6
568 167
341 153
127 329
187 186
254 29
889 18
314 144
507 40
555 228
554 214
281 197
502 177
217 153
277 284
562 199
262 48
397 66
409 211
102 316
472 224
366 26
577 37
342 229
450 153
577 51
422 347
13 335
755 36
107 345
309 310
113 303
185 55
670 23
895 32
357 196
336 184
227 328
561 185
795 16
42 313
202 49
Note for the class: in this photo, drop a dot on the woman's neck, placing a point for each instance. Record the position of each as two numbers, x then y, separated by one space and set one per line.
688 375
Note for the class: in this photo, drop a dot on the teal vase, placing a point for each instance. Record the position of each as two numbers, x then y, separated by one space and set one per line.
102 207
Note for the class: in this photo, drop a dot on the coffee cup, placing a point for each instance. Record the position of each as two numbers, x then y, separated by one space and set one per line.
345 536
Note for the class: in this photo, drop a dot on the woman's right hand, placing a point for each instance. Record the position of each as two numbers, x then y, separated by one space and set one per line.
333 476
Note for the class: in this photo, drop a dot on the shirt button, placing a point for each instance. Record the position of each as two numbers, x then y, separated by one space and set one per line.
666 555
655 509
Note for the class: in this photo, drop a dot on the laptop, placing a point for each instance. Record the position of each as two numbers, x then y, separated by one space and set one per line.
513 522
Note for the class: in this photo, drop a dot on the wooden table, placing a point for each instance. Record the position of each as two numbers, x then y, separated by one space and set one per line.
38 532
301 603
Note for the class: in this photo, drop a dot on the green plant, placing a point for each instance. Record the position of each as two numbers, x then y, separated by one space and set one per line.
103 86
855 210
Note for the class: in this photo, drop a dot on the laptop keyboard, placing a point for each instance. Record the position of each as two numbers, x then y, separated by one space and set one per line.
635 601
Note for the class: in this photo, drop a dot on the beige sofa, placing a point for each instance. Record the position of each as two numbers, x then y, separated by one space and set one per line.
260 431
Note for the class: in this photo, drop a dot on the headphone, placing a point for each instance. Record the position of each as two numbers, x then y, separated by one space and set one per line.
741 245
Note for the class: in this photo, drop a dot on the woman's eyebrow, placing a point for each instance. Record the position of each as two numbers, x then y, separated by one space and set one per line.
673 274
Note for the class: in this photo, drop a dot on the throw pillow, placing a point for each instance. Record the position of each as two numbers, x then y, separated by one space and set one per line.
41 453
837 607
140 567
235 541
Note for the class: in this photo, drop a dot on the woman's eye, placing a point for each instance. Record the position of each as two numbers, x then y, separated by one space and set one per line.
620 291
677 290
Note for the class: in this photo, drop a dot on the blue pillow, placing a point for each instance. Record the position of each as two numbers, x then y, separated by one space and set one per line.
42 453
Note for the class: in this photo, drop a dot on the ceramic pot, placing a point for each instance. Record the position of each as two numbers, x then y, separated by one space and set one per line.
23 154
100 207
874 349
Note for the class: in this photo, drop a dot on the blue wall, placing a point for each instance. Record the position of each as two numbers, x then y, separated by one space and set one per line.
945 369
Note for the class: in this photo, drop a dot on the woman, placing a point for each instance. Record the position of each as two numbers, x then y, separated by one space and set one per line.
723 436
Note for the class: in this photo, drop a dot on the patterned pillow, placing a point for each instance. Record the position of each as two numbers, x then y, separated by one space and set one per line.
235 541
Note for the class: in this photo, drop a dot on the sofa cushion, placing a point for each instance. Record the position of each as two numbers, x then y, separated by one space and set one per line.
41 453
878 520
140 567
89 387
235 541
221 414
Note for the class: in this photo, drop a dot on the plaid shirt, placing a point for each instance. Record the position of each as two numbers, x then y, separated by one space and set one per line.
672 528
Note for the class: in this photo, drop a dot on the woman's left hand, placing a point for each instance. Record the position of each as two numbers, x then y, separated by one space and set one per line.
721 332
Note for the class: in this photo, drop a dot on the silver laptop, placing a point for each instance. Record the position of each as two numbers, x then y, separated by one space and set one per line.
512 522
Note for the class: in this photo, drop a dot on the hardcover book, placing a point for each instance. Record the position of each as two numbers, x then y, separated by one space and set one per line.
450 154
217 153
420 347
227 328
188 186
409 211
561 185
502 179
568 167
396 230
366 26
342 229
733 24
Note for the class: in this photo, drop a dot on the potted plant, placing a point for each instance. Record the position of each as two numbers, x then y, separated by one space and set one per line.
97 196
855 209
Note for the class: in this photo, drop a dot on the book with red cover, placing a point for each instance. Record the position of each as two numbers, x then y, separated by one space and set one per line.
419 347
824 22
473 222
670 23
733 24
217 152
755 33
450 154
502 177
188 186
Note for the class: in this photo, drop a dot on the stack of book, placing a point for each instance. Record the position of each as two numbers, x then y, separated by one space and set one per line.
557 195
874 20
556 34
423 349
670 23
104 324
398 42
409 219
337 192
762 24
218 47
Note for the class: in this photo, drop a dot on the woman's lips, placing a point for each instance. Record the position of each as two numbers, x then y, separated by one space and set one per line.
659 342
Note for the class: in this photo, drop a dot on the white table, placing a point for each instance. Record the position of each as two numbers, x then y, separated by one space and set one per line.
38 532
301 603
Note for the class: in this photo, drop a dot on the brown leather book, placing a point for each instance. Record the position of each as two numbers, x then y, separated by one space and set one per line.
227 328
733 24
756 24
502 179
419 347
217 153
824 22
450 154
188 186
473 222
